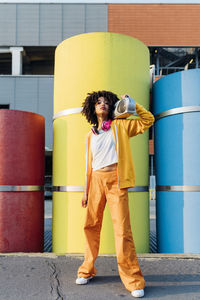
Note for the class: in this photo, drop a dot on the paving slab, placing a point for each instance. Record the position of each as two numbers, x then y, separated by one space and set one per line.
49 276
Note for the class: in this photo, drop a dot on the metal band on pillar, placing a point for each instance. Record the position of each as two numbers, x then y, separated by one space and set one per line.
68 188
178 188
67 112
21 188
177 110
139 189
81 189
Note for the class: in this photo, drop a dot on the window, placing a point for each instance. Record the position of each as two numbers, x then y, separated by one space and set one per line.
38 60
170 60
5 63
4 106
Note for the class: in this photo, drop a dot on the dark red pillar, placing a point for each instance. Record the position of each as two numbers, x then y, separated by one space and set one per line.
22 146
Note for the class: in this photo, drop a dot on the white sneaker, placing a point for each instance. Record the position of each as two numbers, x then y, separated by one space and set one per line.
82 280
137 293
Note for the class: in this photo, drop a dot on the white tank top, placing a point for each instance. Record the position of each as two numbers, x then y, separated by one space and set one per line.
103 149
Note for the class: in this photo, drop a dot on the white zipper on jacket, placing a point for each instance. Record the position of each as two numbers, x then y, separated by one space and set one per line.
86 162
116 135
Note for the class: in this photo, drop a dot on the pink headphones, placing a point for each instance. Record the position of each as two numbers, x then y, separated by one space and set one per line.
105 126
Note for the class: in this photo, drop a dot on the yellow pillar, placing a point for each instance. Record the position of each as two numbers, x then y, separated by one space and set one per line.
86 63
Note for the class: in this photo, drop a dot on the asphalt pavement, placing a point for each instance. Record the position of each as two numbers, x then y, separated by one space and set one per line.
52 277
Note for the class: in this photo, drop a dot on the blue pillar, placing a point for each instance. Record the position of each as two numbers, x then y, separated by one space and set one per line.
176 104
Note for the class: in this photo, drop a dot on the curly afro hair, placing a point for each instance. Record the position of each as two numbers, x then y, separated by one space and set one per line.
89 105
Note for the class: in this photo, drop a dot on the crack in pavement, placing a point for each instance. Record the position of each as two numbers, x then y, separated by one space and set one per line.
56 290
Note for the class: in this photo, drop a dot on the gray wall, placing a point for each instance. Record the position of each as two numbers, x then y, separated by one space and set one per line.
42 25
48 24
30 93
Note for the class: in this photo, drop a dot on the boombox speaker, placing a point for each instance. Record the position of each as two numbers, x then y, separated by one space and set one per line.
124 108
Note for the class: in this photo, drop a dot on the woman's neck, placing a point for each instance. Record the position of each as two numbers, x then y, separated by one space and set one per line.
100 121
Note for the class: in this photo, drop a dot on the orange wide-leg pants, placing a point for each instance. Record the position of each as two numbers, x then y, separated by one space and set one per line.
104 187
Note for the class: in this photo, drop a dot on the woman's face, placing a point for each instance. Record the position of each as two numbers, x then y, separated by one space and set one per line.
102 107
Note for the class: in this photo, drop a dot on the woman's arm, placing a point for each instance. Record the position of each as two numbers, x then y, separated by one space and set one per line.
137 126
88 166
85 197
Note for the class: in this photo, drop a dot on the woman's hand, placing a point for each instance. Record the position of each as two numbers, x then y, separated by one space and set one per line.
84 201
124 96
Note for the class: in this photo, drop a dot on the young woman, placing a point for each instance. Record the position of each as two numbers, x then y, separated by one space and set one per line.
109 174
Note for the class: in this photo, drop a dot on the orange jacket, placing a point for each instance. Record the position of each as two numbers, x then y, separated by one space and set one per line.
122 130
